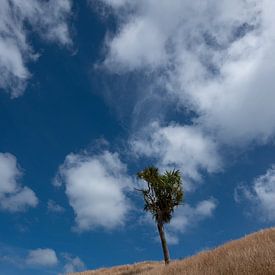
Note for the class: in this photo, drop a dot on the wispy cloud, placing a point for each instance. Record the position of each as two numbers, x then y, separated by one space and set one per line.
260 195
185 218
72 264
47 19
55 207
214 58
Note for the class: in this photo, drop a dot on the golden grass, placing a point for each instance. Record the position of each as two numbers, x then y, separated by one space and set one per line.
253 254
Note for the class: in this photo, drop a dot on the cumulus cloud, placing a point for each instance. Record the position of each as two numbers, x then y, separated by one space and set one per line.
261 195
214 57
48 19
13 196
182 147
42 257
95 186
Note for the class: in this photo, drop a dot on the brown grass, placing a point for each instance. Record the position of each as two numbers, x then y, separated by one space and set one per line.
253 254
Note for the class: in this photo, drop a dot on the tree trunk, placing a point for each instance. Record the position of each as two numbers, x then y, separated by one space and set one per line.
163 243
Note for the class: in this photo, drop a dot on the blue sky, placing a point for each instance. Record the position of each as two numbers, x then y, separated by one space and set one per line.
91 92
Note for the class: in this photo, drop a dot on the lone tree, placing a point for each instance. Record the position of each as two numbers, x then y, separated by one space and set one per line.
164 192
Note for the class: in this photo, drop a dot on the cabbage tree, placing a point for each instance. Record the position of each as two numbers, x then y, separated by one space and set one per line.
162 194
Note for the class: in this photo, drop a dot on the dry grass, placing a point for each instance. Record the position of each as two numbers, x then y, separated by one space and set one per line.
253 254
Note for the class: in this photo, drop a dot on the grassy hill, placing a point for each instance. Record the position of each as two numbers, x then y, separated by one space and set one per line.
253 254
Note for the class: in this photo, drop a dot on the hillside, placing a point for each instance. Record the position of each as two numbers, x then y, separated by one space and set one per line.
253 254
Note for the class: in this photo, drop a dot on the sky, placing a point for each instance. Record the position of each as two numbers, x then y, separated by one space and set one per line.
93 91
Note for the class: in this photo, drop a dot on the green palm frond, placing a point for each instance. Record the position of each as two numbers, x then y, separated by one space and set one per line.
164 192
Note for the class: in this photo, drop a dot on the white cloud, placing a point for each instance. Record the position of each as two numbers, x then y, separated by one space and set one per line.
55 207
261 195
72 264
184 219
42 257
96 186
187 217
48 19
172 22
127 47
115 3
215 57
13 197
171 238
182 147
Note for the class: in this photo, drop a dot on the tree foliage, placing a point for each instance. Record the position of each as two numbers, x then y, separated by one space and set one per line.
164 192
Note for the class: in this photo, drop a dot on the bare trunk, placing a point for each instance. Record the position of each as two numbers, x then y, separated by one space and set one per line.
163 243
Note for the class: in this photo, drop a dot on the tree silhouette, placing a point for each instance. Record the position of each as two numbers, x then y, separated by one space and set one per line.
164 192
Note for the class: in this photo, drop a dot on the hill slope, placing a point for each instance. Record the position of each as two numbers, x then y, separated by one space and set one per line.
253 254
